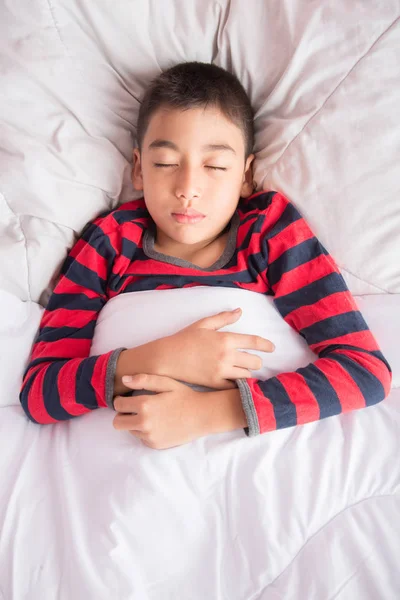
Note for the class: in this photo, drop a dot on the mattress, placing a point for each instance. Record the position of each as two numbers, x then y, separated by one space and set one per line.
307 512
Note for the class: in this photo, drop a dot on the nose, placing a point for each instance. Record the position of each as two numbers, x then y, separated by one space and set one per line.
187 185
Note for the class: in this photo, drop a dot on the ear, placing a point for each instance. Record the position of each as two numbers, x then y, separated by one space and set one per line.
248 185
136 175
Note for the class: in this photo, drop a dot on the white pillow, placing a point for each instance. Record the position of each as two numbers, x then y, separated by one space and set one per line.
136 318
72 77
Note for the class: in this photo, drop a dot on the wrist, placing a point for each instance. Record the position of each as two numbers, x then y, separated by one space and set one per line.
121 369
223 411
141 359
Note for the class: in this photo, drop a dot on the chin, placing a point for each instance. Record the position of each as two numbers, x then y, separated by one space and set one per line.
189 239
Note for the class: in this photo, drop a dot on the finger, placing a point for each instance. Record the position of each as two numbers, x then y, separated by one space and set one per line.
138 434
247 361
126 404
152 383
239 373
228 384
250 342
127 422
224 384
219 320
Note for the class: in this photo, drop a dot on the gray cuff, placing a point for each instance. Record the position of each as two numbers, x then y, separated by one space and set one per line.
110 375
253 428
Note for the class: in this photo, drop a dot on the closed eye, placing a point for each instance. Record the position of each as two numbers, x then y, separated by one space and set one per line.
207 166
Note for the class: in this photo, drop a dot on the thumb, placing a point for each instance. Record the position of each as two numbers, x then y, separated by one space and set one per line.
219 320
149 382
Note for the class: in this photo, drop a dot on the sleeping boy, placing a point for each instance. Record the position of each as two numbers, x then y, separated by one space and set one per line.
199 223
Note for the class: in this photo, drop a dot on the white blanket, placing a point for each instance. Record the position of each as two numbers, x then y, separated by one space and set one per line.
90 512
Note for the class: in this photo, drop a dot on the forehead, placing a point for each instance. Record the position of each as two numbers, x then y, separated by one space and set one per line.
206 128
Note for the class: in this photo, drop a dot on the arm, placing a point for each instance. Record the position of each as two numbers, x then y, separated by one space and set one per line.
222 411
166 413
61 380
312 296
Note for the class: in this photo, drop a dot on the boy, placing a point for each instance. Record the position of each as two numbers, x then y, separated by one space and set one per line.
199 223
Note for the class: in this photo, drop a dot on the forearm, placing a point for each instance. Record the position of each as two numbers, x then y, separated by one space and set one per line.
147 358
222 411
342 381
60 389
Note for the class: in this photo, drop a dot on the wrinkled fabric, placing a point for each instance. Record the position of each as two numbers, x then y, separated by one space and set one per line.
308 512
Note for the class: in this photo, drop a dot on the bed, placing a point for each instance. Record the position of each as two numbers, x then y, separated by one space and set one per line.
88 512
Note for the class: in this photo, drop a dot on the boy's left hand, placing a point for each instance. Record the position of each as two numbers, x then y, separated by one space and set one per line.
169 418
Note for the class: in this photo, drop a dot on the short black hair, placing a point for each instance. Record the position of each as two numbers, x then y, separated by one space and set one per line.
197 84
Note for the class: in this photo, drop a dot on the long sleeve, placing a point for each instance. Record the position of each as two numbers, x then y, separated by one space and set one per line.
312 296
61 380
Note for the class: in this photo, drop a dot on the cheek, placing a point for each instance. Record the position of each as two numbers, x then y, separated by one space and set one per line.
230 192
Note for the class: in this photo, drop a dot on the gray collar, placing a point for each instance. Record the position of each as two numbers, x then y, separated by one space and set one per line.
148 248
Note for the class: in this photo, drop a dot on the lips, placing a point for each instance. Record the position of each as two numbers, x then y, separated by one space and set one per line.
184 218
189 213
188 216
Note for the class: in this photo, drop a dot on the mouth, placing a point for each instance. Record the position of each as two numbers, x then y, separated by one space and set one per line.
188 217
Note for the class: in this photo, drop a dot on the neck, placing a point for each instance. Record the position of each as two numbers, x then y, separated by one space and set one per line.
165 245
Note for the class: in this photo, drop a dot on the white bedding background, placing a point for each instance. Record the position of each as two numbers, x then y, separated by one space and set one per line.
310 512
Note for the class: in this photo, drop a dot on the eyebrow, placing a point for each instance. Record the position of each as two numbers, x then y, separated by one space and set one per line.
207 147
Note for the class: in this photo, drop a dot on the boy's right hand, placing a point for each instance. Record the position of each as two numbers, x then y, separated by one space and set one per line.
203 355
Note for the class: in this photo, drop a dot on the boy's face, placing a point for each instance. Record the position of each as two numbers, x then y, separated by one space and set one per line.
189 201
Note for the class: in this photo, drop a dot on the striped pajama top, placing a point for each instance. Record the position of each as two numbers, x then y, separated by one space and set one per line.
270 250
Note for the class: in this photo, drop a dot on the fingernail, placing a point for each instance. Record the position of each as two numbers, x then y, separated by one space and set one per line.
237 310
127 379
